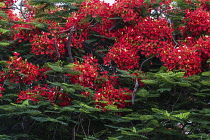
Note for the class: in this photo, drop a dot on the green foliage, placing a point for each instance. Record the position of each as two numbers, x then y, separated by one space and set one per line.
149 118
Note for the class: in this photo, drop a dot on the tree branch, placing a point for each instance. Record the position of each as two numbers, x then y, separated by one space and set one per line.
21 9
145 61
73 133
69 43
56 48
135 90
137 83
177 44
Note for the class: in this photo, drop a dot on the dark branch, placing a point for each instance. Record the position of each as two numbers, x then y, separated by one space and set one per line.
137 83
140 68
21 9
56 48
69 43
135 90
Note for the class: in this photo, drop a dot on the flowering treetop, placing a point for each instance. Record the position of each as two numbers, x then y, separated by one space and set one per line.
124 35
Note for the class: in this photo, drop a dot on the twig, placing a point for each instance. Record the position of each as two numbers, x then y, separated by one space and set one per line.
21 9
145 61
176 101
31 126
137 83
83 129
177 44
68 44
54 133
39 59
135 90
88 126
73 133
56 48
115 25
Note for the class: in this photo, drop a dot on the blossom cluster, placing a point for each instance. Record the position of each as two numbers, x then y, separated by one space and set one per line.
52 95
20 71
104 86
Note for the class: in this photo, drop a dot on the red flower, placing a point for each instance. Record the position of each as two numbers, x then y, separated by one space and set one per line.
182 58
197 22
88 72
16 54
111 96
20 71
45 93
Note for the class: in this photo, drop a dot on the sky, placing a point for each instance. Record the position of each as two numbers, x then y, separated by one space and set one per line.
109 1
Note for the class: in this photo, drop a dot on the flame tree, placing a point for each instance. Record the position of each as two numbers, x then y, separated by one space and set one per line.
90 70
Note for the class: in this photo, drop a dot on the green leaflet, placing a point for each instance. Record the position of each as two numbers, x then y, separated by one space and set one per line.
164 89
146 130
55 67
182 84
44 119
111 107
3 31
4 44
182 115
111 138
3 63
207 83
146 117
142 93
158 110
153 123
149 81
130 118
207 73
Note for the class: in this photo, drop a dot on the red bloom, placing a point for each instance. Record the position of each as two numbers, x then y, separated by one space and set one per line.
20 71
89 72
197 22
16 54
111 96
124 55
182 58
45 93
1 89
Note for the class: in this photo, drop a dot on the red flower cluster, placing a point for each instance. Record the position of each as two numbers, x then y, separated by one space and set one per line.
111 96
1 89
153 35
182 58
149 37
44 44
89 72
45 93
204 4
101 83
203 44
124 55
20 71
24 32
135 34
197 22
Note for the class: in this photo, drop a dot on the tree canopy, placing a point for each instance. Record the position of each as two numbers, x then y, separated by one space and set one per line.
75 69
